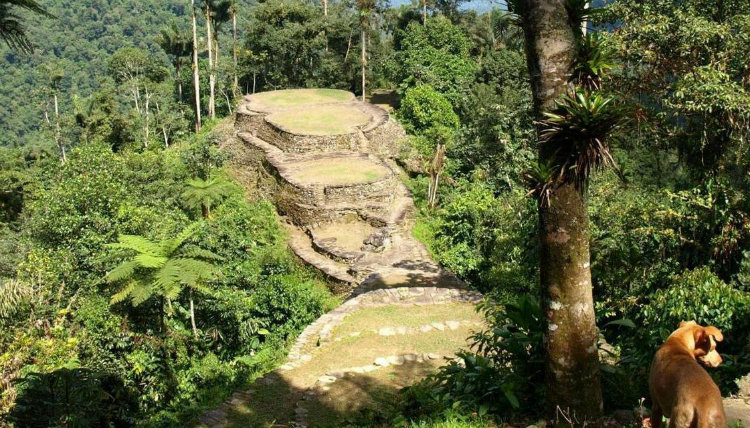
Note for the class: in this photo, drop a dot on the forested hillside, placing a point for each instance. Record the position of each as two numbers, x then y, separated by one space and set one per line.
77 44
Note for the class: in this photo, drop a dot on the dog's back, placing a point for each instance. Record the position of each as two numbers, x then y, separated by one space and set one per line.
681 389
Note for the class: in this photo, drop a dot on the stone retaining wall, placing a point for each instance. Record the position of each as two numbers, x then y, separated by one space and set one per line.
321 330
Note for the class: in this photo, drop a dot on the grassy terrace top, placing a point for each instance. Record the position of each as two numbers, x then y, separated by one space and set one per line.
290 98
320 120
338 171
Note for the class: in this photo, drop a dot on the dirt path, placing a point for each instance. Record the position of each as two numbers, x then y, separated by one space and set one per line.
350 216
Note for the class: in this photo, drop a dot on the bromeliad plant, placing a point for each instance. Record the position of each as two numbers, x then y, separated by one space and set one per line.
576 132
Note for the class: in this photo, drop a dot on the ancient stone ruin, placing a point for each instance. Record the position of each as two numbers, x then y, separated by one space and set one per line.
337 183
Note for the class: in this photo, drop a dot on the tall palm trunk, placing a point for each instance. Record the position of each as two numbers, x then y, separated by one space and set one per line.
363 38
178 67
58 132
211 76
572 366
192 315
424 12
196 76
236 88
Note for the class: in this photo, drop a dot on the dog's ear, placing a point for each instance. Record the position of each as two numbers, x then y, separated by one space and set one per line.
715 332
702 341
686 323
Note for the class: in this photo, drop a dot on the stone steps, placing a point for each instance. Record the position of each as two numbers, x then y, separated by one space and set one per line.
301 245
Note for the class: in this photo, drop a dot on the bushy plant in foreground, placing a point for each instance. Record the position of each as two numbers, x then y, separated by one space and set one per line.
506 370
693 295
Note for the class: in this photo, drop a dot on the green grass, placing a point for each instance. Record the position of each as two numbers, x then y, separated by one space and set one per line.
298 97
338 171
394 316
325 120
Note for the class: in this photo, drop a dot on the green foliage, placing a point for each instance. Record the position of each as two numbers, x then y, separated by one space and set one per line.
506 371
203 194
11 28
487 240
423 108
436 54
693 295
575 134
161 268
72 397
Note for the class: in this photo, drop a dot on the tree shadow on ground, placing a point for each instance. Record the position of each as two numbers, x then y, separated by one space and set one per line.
356 399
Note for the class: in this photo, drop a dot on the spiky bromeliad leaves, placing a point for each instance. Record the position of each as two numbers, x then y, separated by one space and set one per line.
595 58
164 268
576 132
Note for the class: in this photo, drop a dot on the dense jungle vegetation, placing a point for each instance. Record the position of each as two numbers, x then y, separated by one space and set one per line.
136 273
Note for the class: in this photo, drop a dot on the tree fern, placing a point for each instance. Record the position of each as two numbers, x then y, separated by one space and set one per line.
163 268
203 194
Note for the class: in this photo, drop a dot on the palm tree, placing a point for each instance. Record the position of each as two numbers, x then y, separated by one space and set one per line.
54 75
234 10
11 29
572 362
204 194
221 12
196 76
366 9
176 44
164 268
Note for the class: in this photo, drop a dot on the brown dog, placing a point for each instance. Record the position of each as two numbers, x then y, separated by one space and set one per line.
680 388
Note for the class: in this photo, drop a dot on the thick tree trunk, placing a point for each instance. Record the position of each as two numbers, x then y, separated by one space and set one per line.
196 76
211 77
572 375
363 38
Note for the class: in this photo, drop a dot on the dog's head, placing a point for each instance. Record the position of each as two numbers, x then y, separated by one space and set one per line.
705 340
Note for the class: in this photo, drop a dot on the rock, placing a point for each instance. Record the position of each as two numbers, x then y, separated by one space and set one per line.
369 368
354 334
337 374
438 326
743 384
396 360
410 357
382 362
433 356
401 330
387 331
326 379
425 328
287 366
305 357
453 325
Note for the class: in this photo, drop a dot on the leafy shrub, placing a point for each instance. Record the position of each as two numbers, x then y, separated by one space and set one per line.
693 295
507 370
423 108
487 240
72 397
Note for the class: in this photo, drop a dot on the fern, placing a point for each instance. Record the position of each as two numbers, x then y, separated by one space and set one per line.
124 271
13 293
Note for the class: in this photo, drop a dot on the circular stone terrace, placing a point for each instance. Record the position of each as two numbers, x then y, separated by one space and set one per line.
275 101
338 171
